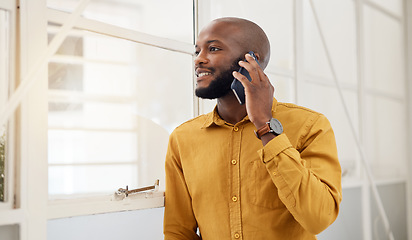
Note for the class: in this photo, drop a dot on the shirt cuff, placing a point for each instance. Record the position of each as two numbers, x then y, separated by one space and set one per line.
274 147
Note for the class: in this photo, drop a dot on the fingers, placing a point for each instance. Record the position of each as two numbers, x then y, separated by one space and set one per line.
252 67
252 61
254 70
242 78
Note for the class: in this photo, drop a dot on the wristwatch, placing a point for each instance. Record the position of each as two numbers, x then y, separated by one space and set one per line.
273 126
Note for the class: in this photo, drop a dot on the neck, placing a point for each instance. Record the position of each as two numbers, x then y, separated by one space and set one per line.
230 110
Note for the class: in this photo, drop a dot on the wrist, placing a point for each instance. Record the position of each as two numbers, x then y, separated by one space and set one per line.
261 122
273 126
267 138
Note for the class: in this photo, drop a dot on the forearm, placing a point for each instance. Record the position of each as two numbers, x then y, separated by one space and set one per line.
309 188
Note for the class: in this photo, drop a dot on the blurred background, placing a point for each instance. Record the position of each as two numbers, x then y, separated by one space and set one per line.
101 106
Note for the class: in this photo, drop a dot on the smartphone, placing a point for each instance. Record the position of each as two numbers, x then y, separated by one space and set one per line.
237 86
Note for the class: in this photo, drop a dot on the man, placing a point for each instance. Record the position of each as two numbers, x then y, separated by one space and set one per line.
229 183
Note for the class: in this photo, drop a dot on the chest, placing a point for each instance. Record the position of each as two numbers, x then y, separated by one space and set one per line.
217 158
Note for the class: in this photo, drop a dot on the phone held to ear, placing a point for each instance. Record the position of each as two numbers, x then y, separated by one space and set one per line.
237 86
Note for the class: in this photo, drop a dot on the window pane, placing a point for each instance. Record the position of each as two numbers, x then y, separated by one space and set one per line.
152 17
275 17
284 87
337 20
92 115
384 53
326 100
112 105
4 57
4 91
82 147
386 149
89 179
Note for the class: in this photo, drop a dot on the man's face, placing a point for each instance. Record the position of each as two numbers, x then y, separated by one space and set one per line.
217 55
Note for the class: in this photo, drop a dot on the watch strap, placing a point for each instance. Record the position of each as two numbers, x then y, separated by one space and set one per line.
263 130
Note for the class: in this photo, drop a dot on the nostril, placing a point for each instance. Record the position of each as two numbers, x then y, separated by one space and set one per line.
200 60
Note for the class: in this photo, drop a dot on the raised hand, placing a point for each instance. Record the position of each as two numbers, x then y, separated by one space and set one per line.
258 92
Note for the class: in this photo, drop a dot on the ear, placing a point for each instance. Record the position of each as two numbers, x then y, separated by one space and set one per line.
258 56
261 60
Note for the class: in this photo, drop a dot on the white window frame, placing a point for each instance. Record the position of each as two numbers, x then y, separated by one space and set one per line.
9 171
408 41
10 213
26 205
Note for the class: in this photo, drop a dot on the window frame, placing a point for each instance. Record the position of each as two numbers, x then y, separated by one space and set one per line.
408 59
10 127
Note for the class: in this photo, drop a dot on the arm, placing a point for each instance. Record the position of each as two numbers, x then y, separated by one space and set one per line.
308 182
179 220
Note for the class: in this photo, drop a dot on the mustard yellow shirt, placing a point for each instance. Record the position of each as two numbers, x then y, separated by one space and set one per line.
220 178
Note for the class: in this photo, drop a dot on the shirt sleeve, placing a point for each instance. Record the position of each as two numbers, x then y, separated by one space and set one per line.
309 179
179 220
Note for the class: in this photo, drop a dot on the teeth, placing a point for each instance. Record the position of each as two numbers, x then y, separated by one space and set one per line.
203 74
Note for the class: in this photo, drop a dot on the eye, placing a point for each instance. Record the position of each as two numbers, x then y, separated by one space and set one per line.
197 53
214 49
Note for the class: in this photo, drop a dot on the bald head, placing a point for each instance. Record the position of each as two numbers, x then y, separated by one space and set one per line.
250 37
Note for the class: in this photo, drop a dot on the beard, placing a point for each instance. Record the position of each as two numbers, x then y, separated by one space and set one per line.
220 86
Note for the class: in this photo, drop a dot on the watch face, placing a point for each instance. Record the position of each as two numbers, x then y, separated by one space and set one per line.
275 126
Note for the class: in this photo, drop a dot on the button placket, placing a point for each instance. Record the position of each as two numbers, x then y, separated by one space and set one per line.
234 206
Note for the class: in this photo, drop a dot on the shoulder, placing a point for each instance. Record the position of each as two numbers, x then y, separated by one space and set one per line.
194 124
291 109
298 116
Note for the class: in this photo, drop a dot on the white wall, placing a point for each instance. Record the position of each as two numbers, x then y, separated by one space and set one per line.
9 232
136 225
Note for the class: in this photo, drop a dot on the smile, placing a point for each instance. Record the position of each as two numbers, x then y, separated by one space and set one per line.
203 74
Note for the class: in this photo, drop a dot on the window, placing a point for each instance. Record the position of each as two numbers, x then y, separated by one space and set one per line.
10 216
113 101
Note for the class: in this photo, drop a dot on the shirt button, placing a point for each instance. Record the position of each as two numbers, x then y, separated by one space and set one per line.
235 129
274 173
237 235
234 199
234 161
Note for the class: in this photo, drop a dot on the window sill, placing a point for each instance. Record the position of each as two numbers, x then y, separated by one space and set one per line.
103 204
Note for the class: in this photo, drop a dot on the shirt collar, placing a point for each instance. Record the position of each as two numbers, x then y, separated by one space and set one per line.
214 118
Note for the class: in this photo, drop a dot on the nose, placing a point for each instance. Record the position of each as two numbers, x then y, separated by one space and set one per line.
201 58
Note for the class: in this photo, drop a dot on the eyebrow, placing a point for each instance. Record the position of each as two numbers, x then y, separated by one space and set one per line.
210 41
